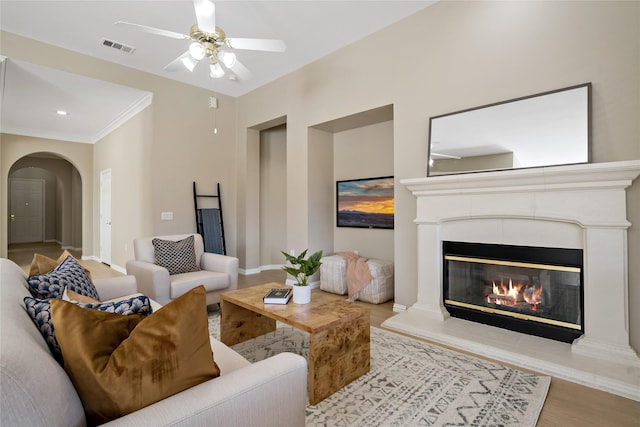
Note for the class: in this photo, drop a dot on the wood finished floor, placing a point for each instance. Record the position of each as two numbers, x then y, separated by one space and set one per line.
567 404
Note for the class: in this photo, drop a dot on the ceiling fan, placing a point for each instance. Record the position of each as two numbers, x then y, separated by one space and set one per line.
209 41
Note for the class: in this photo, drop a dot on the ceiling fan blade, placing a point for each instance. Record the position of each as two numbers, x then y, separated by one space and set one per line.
268 45
151 30
241 71
205 15
183 61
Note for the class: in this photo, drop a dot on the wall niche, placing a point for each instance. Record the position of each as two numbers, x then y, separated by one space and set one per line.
350 147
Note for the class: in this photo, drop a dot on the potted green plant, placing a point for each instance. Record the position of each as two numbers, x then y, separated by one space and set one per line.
301 268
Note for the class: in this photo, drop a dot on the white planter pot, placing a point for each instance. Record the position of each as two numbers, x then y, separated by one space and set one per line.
301 294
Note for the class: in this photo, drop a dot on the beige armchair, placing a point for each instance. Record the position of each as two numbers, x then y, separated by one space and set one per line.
218 273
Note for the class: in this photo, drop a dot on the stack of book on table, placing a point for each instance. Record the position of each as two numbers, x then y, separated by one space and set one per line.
278 296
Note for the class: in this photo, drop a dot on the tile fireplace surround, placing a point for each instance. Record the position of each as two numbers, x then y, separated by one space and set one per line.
576 206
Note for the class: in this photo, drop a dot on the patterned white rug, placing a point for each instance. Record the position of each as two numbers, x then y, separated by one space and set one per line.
413 383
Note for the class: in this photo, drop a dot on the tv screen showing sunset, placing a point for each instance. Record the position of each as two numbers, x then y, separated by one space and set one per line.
365 203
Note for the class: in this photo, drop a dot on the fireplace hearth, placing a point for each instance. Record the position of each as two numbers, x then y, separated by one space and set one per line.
533 290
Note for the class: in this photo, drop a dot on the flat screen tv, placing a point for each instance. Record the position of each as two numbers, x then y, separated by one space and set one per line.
365 203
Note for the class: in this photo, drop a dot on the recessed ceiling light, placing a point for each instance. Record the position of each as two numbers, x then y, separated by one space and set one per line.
61 113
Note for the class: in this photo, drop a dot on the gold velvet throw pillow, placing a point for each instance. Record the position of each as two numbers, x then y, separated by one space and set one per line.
119 364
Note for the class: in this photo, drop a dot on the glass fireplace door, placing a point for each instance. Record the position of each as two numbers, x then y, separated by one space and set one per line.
532 290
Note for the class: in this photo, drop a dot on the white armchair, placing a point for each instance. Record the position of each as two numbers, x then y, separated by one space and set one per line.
219 273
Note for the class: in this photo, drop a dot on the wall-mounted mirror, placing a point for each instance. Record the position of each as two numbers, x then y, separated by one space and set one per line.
550 128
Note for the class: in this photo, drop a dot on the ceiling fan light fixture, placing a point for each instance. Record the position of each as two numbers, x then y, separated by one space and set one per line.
206 40
227 58
197 51
216 71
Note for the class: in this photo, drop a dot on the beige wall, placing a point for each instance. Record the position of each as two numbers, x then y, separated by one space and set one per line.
363 152
76 208
273 147
452 56
130 184
321 188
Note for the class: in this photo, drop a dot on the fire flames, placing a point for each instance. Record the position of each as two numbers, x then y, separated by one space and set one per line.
515 294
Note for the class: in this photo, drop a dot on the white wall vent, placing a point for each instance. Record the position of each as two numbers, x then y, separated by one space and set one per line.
117 45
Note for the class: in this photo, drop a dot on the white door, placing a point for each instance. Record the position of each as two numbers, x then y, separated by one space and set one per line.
105 216
26 210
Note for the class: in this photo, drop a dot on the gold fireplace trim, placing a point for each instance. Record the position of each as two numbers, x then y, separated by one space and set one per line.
512 263
520 316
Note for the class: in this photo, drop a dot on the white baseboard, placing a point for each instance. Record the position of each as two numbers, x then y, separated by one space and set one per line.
119 269
112 266
399 308
248 271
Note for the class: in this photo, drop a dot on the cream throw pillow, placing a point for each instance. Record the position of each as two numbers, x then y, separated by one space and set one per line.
119 364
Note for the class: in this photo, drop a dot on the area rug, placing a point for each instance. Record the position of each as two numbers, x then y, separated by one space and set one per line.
413 383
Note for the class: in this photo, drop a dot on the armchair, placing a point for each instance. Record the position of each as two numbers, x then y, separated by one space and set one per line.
219 273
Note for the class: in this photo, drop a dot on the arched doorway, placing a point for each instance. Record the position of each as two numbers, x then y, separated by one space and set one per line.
44 205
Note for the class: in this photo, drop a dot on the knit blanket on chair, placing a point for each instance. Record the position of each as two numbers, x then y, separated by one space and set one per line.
358 273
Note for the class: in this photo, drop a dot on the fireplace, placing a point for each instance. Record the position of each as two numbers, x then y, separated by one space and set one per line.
533 290
581 207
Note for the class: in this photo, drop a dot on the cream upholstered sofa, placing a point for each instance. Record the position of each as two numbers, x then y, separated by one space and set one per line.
219 273
36 390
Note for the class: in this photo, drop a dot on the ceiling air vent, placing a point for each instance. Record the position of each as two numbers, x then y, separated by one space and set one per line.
118 46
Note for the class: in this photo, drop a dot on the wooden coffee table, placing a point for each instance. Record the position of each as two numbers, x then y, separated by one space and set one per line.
339 332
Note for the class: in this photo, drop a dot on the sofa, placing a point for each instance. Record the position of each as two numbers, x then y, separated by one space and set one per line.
36 390
218 273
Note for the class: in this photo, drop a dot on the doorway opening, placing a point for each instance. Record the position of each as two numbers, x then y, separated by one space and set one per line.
45 203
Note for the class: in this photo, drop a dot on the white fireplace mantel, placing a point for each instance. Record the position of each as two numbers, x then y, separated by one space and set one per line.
575 206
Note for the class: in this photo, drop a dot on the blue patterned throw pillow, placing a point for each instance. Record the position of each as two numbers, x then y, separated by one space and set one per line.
40 312
135 305
67 274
